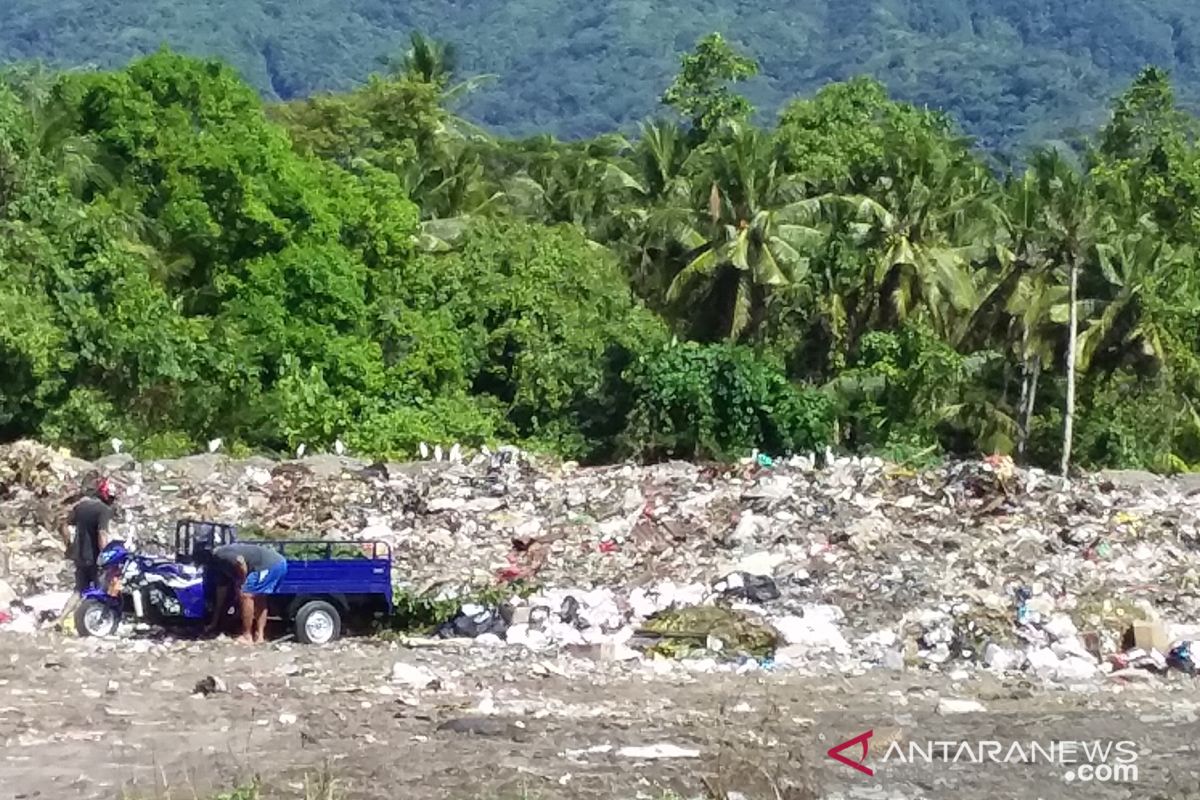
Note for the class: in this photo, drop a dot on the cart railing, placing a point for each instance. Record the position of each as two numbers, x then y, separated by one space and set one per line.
328 549
196 538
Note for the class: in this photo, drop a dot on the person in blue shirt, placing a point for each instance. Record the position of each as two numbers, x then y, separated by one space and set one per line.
252 571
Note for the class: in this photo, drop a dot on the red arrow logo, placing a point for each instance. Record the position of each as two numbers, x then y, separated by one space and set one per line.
835 752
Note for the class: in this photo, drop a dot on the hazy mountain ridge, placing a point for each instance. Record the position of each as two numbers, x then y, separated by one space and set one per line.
1010 73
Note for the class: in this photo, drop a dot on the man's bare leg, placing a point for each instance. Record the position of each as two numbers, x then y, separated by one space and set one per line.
247 609
68 609
260 610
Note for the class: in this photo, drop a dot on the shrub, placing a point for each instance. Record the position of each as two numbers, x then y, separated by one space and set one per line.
692 400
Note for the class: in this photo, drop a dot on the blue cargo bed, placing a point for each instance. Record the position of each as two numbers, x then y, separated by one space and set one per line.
335 568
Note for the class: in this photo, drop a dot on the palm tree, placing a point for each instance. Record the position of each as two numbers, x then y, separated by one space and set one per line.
835 300
1049 223
1032 306
580 183
450 185
657 213
753 233
1069 214
1023 298
77 158
660 159
430 61
1131 263
937 210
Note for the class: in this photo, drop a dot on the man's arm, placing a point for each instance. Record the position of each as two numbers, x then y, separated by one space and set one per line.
218 607
240 573
67 526
230 579
102 531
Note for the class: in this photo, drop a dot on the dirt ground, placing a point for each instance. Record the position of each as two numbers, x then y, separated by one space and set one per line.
90 719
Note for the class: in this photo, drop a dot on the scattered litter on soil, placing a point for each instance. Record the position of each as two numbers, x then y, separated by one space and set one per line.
540 597
852 565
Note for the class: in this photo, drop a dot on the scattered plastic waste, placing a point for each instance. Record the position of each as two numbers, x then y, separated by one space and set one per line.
474 620
966 564
1182 658
743 585
657 751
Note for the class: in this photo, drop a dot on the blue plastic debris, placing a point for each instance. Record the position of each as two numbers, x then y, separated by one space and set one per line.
1182 658
1024 616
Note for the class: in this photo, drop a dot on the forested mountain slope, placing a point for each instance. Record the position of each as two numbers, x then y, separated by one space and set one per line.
1013 72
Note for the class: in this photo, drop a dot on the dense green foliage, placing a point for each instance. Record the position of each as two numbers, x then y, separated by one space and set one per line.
182 262
1011 72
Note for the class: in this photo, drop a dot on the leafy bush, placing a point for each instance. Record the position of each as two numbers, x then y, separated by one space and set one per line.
165 444
720 401
82 422
1114 428
31 354
908 390
424 613
547 324
396 432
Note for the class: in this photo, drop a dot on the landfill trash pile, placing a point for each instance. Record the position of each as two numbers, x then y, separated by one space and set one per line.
829 562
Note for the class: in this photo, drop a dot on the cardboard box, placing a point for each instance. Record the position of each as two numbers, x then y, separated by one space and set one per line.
1148 635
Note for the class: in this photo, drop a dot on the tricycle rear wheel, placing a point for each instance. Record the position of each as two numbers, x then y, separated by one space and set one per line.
318 622
96 618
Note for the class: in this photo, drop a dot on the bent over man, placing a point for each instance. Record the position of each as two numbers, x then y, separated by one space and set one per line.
254 571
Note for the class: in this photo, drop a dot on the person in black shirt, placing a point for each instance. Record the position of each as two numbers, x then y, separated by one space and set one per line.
88 520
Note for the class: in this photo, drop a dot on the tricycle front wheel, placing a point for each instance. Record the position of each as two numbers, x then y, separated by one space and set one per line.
318 622
96 618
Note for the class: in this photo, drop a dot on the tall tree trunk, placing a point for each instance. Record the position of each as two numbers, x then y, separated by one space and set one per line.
1022 430
1022 403
1005 380
1030 405
1073 335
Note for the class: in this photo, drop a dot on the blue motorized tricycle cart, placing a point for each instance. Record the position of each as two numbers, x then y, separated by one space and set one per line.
329 585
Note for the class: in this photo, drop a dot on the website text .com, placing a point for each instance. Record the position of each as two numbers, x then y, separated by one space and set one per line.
1099 761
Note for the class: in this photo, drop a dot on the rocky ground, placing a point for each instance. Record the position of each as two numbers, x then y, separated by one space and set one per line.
975 601
86 719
